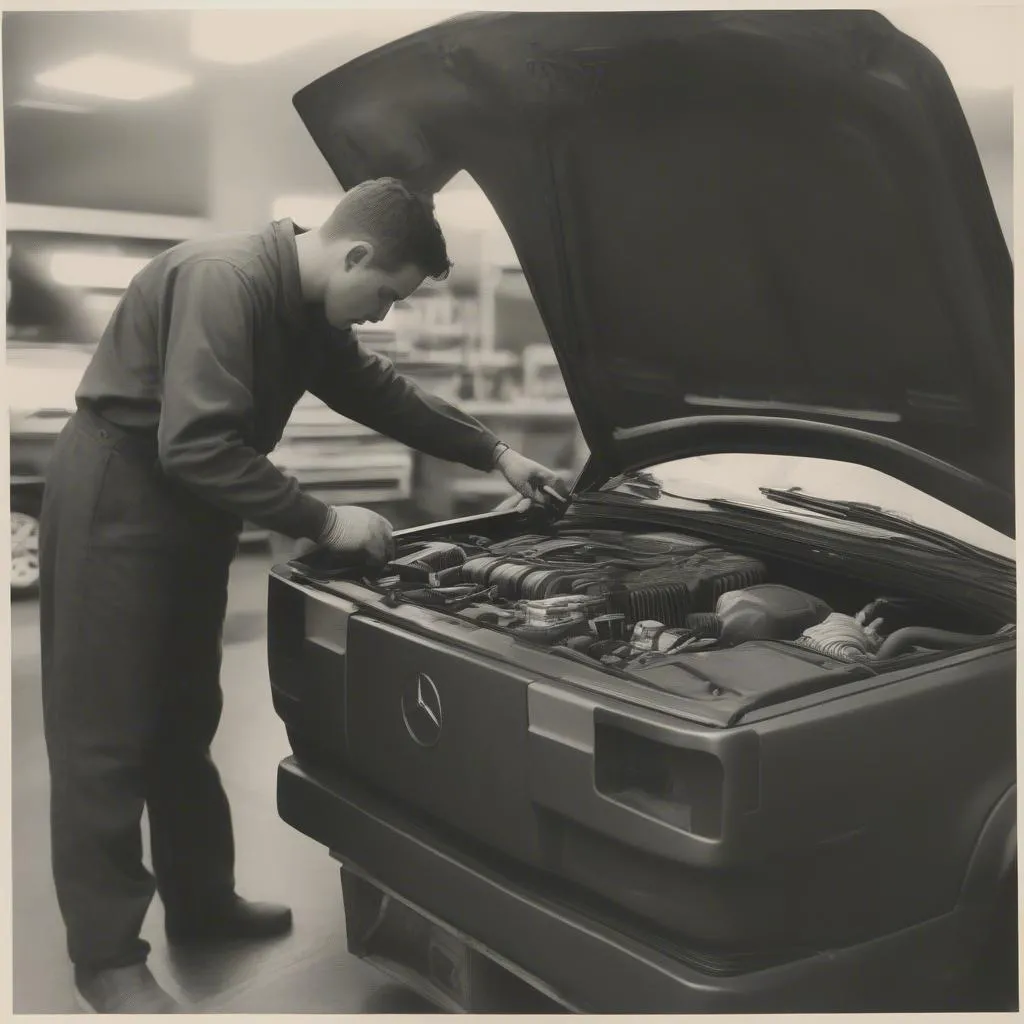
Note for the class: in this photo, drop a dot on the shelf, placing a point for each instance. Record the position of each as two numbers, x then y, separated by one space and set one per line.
106 223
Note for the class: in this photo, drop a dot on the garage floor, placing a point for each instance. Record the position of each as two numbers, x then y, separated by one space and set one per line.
307 972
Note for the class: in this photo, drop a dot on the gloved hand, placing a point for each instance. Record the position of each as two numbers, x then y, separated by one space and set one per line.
354 532
530 478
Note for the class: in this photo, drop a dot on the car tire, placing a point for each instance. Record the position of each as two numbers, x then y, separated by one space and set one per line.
24 547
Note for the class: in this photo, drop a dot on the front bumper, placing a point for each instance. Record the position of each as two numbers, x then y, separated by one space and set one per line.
591 967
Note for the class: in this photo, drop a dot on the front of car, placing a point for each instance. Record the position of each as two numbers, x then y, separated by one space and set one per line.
685 744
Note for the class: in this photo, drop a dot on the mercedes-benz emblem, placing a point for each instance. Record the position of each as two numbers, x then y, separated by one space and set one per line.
421 711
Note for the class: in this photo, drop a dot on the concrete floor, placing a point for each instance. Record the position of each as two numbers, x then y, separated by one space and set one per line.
307 972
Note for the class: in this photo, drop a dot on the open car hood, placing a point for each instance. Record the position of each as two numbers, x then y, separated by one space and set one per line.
761 232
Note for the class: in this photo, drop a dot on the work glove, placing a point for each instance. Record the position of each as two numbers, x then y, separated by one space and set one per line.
530 478
357 534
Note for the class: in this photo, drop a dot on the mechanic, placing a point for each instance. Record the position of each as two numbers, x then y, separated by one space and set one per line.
192 383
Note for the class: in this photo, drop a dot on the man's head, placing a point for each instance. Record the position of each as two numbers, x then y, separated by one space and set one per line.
375 249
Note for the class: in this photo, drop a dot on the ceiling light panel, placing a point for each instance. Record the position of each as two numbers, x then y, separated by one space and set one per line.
114 78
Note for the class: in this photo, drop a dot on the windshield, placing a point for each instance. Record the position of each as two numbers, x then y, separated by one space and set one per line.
739 477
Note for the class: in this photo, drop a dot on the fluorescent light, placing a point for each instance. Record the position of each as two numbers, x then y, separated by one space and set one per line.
113 78
72 220
83 269
308 211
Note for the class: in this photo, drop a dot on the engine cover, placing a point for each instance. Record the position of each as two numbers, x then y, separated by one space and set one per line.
659 576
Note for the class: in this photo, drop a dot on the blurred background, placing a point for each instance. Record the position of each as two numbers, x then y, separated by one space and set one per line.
127 131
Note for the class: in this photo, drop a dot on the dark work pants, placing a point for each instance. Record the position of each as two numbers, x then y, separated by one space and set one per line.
133 593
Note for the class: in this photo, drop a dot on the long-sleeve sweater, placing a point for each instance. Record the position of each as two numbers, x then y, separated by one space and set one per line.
209 350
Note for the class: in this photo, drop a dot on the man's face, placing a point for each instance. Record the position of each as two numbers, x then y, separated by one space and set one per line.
357 292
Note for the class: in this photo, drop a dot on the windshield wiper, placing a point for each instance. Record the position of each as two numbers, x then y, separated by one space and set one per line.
852 512
872 515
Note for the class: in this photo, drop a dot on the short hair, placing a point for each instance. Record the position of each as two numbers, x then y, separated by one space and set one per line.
398 222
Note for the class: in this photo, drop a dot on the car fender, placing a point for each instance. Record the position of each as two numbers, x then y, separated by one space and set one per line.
994 858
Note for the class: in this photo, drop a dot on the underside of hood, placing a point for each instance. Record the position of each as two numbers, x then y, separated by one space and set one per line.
762 231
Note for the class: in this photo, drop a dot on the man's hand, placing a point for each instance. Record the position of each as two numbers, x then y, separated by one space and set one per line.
530 478
351 531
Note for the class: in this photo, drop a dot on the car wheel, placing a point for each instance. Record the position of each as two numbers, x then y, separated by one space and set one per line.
24 548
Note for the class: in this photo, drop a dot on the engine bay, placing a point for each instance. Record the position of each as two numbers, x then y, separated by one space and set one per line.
639 601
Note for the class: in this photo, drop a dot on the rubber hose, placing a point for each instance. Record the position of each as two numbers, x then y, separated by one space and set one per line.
840 650
705 625
921 636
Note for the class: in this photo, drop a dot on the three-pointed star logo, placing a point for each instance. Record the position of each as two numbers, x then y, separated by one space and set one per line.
424 706
421 711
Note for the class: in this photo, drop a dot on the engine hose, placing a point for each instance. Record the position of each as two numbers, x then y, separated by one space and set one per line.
842 638
921 636
840 650
706 625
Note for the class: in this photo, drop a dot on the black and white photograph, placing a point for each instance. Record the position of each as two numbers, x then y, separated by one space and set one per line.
512 511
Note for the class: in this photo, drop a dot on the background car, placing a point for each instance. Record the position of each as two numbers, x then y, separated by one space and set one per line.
49 344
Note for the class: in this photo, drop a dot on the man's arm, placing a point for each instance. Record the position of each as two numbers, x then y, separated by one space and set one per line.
208 405
365 387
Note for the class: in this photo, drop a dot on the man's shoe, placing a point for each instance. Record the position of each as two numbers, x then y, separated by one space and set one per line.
237 920
130 989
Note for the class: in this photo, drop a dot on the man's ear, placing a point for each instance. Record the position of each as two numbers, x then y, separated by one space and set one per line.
358 253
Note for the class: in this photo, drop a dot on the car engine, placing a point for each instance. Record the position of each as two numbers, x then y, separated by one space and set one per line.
627 600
